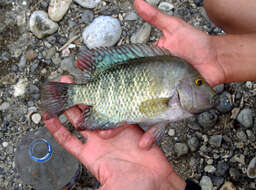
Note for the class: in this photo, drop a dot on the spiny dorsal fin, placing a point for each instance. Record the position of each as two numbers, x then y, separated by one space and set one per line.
94 61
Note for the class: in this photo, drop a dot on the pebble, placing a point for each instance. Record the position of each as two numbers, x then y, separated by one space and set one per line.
217 181
20 87
4 106
165 6
206 183
226 104
30 54
103 31
88 3
219 88
193 125
249 84
36 118
181 149
215 141
251 169
193 144
222 168
207 119
241 135
234 174
5 144
171 132
87 17
198 2
131 16
153 2
22 62
58 8
228 186
41 25
209 169
245 117
142 34
50 52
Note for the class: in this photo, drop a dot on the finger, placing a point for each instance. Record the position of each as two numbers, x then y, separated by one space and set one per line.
152 15
110 133
63 136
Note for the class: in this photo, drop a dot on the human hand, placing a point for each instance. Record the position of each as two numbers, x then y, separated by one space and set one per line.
113 156
184 41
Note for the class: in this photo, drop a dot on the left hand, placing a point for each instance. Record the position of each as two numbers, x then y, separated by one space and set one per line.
113 156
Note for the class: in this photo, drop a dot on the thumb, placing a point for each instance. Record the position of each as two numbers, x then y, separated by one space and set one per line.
153 15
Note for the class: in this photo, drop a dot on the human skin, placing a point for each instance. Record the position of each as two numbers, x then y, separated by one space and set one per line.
113 156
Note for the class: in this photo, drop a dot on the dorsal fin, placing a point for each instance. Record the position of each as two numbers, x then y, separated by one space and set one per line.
95 61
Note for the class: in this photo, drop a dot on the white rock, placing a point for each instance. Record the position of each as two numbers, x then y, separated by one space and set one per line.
40 25
103 31
165 6
251 170
206 183
20 87
171 132
88 3
209 169
58 8
36 118
142 34
4 106
5 144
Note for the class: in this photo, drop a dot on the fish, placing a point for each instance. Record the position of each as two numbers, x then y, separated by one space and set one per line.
136 84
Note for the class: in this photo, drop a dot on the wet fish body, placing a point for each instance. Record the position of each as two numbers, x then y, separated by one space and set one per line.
134 84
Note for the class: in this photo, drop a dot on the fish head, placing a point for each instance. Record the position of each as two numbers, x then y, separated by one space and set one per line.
195 94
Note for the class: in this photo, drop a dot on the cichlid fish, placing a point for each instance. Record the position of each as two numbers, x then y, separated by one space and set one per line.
131 83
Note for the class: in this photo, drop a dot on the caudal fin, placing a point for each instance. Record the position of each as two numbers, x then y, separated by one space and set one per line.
54 97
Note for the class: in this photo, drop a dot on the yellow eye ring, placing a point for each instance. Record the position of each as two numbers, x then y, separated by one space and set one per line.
199 82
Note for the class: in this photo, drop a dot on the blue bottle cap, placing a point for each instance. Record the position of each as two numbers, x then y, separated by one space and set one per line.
45 156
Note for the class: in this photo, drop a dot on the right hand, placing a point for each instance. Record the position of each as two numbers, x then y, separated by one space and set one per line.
184 41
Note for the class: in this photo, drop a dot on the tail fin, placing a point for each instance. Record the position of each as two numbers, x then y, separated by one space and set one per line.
54 97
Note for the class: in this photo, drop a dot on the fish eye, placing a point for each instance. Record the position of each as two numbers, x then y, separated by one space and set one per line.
199 82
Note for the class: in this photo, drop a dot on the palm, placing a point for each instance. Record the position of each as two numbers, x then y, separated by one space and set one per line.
184 41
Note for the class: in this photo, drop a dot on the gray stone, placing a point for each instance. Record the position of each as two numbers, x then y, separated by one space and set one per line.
181 149
41 25
219 88
153 2
234 174
245 117
142 34
215 141
226 104
88 3
206 183
207 119
217 181
222 168
4 106
103 31
171 132
87 17
22 62
198 2
130 16
50 52
193 144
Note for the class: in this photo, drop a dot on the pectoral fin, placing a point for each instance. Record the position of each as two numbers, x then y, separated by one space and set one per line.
93 120
154 107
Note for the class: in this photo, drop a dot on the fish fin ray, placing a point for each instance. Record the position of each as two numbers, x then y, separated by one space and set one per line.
92 120
154 107
95 61
54 97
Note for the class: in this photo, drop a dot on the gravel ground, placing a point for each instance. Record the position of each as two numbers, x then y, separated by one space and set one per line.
212 148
